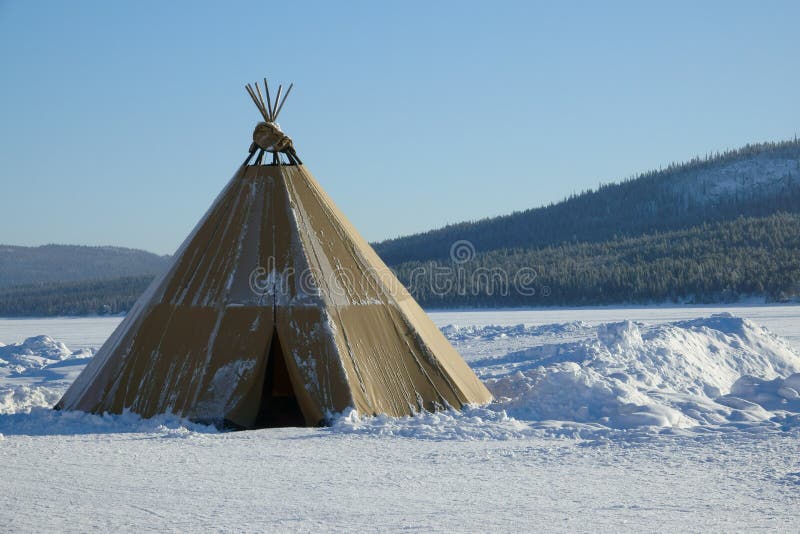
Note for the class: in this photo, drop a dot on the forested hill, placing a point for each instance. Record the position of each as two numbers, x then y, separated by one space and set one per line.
70 263
708 263
756 180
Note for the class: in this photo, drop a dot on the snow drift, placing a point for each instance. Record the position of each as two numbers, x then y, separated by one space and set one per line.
710 371
36 372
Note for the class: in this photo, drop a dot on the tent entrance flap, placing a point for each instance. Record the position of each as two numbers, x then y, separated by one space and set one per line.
279 406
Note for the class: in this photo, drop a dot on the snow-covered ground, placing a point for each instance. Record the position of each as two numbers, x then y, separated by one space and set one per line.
605 419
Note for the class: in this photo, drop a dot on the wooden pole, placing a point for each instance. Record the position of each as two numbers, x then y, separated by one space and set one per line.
277 99
261 99
249 157
269 104
289 90
255 101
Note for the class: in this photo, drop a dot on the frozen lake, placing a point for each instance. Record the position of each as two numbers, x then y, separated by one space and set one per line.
784 320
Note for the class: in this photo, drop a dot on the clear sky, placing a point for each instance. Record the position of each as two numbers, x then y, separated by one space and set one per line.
120 122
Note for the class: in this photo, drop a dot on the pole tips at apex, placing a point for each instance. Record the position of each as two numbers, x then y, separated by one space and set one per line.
269 109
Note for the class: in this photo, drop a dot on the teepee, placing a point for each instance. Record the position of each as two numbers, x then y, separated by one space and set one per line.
275 312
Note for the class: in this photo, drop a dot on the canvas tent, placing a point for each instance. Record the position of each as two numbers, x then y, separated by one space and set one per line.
275 312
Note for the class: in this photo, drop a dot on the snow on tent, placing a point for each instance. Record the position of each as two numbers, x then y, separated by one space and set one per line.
275 312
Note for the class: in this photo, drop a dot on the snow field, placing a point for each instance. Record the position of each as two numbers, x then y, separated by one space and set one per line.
598 426
306 479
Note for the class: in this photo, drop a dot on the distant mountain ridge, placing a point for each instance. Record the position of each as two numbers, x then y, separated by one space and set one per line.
72 263
755 181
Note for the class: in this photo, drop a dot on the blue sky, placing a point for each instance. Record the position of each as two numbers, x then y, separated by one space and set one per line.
120 122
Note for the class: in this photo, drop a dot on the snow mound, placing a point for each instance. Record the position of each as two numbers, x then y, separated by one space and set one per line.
36 372
632 375
21 399
35 353
620 335
776 395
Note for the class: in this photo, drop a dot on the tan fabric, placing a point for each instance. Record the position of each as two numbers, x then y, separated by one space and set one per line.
197 343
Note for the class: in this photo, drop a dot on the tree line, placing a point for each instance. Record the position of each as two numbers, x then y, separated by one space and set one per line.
711 262
95 297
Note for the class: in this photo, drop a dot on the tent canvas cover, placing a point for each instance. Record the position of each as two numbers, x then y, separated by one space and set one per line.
275 312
